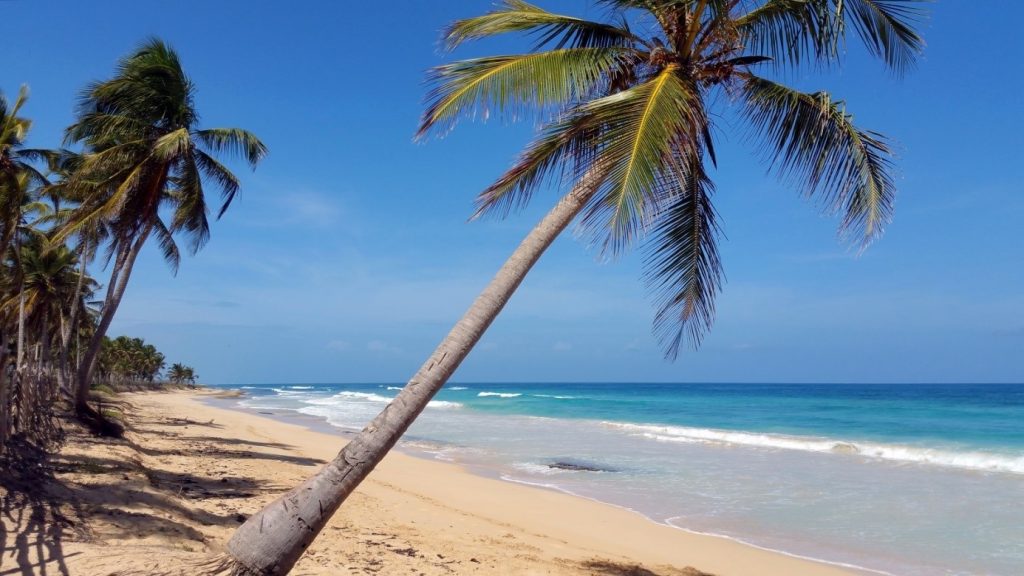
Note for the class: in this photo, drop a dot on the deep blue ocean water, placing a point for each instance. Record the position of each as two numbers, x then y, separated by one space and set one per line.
902 479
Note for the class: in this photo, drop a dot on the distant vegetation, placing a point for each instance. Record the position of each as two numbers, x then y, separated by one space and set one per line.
126 362
134 168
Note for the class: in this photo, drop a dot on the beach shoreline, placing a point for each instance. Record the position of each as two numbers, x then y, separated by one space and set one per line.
197 470
228 399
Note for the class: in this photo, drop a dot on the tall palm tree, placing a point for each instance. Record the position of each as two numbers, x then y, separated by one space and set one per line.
146 157
49 288
63 165
629 126
18 180
17 173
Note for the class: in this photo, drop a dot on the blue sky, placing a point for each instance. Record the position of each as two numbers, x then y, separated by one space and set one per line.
348 255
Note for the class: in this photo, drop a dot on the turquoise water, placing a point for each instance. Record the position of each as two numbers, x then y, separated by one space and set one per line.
899 479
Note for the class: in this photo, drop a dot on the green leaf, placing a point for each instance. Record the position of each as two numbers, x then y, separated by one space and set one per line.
887 29
514 84
811 140
792 32
681 265
640 134
519 16
235 141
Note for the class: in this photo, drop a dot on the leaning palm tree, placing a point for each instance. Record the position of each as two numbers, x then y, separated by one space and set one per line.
145 156
629 130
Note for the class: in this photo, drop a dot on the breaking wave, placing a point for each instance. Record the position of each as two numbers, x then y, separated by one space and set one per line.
969 460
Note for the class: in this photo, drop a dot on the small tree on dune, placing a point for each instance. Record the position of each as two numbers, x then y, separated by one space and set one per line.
628 106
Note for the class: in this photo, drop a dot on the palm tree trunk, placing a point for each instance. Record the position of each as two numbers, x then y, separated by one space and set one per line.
63 369
115 291
20 355
5 409
271 541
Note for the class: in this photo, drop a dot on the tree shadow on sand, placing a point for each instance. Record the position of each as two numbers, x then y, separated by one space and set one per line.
609 568
206 446
46 501
34 521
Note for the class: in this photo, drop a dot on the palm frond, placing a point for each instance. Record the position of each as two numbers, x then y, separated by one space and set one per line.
103 128
168 248
235 141
513 84
225 179
792 32
681 265
811 140
641 129
565 146
887 29
518 16
14 128
172 145
190 205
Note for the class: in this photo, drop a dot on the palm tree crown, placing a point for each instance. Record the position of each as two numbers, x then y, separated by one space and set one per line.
146 152
18 176
628 102
145 158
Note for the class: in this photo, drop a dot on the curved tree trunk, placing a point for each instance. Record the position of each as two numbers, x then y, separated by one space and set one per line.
115 291
271 541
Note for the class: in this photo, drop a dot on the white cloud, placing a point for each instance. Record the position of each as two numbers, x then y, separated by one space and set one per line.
339 345
381 346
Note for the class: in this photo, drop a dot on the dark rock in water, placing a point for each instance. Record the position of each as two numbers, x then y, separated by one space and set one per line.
578 467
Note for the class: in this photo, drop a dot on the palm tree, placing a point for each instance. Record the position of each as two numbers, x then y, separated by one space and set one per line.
145 157
18 189
49 289
63 165
629 124
17 173
179 374
176 373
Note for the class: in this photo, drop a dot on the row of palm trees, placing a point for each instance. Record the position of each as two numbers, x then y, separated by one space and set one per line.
125 362
134 170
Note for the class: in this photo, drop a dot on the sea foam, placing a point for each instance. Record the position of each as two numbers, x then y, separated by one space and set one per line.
500 394
443 404
555 396
969 460
347 397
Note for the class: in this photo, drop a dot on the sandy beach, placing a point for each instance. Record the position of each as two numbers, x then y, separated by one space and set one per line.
188 473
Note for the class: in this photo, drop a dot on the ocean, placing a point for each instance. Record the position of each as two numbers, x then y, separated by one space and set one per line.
914 480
